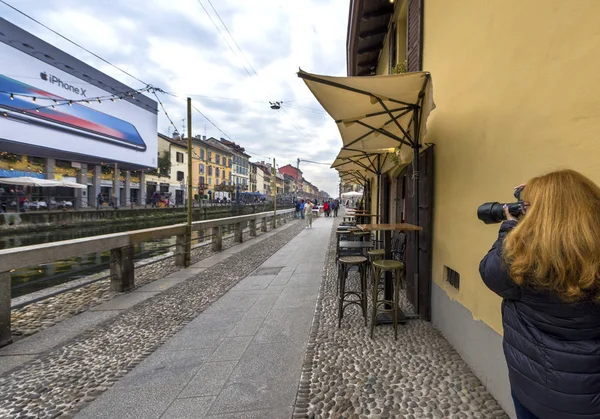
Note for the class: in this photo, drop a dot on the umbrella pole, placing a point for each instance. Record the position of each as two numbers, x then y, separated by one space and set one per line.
415 176
378 236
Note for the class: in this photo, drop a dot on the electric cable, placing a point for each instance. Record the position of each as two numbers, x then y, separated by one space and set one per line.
221 33
232 38
72 42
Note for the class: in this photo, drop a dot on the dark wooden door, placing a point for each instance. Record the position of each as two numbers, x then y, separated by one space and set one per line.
419 294
385 199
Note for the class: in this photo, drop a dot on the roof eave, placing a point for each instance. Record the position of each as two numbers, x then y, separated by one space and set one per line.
351 37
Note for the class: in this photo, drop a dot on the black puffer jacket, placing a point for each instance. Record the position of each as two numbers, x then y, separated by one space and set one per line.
552 348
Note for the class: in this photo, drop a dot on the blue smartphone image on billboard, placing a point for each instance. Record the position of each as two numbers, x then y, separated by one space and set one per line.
76 119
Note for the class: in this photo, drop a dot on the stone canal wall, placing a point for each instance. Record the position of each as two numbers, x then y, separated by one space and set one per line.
49 220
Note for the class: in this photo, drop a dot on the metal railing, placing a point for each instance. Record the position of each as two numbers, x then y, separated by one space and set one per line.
121 247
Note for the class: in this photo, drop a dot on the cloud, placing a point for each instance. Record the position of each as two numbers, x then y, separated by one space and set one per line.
175 46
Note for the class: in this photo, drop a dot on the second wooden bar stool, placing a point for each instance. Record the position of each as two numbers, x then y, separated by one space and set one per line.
378 268
358 297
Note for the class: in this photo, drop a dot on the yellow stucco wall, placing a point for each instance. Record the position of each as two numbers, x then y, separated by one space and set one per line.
517 89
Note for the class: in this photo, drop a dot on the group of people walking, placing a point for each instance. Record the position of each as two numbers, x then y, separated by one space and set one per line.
330 207
304 209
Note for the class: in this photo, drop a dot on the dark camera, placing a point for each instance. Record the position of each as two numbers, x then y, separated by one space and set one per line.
493 212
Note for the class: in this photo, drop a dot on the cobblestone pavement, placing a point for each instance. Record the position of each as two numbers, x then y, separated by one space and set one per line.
62 381
348 375
40 315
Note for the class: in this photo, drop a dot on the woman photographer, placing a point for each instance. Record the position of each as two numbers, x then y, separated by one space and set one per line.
546 266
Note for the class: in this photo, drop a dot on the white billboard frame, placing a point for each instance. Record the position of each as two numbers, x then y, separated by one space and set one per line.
42 112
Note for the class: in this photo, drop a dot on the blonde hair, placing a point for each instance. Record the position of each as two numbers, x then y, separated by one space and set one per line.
556 246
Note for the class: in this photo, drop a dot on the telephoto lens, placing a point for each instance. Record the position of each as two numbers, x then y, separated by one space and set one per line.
493 212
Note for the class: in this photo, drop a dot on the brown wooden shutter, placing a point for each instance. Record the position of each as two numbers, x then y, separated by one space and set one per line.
420 294
414 36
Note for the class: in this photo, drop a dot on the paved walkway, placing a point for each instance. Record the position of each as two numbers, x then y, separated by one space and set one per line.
242 357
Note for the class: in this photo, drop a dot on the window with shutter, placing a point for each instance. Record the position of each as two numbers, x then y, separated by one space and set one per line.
414 36
393 49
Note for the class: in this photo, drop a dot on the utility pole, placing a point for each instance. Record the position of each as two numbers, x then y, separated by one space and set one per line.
188 231
116 188
298 177
274 177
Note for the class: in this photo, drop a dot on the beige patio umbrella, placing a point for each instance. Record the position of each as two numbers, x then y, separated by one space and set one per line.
375 112
372 162
352 176
379 112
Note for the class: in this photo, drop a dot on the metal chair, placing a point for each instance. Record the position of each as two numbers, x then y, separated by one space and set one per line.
347 298
399 246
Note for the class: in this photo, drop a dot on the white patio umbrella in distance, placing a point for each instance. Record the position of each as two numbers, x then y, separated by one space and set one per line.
74 185
41 183
352 194
30 181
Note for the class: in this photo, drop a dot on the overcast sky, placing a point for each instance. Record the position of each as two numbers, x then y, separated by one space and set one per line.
172 44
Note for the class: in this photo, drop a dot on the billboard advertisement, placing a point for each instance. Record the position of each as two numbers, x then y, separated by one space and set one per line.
59 106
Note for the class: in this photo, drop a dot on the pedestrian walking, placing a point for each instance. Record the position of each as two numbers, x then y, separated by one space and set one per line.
326 208
99 200
302 205
3 199
298 215
114 203
336 205
308 213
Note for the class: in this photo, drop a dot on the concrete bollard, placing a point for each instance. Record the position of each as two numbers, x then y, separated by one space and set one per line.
180 250
217 238
122 269
253 228
263 225
5 336
239 232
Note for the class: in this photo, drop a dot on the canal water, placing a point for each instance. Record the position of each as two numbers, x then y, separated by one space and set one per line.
35 278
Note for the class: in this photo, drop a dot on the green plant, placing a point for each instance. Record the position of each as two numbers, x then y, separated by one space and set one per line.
394 156
11 158
164 165
11 220
399 68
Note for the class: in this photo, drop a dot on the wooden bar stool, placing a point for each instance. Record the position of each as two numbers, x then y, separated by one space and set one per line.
346 298
375 254
378 268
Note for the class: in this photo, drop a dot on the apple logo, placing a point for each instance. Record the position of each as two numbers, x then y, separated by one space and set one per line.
44 76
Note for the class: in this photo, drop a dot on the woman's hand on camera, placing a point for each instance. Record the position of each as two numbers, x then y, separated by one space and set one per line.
509 216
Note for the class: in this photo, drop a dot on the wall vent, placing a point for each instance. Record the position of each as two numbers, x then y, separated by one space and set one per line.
452 277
